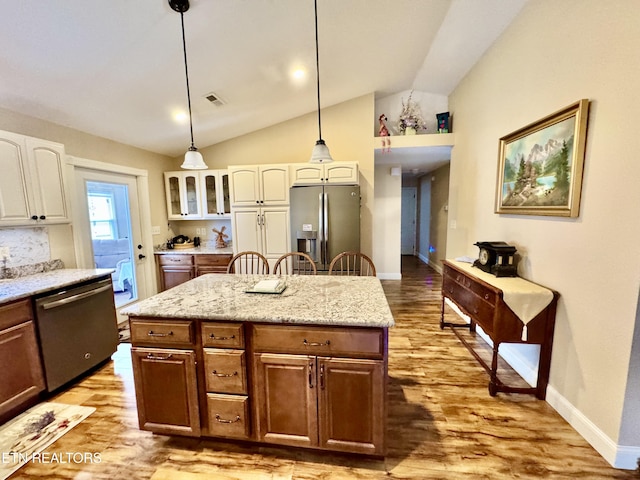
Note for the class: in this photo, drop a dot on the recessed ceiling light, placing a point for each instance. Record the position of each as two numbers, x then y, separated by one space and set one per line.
299 73
180 117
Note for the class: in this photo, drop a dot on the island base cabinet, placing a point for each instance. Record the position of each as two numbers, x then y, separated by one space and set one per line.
329 403
286 399
351 407
166 390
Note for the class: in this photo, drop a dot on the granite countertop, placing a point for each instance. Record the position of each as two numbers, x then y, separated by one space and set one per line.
202 249
28 285
308 300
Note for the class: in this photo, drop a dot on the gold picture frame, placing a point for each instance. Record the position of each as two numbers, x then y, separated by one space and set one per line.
540 166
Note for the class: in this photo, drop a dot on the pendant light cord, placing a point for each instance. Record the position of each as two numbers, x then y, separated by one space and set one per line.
186 73
315 4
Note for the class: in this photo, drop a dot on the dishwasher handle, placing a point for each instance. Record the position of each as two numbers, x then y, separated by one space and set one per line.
75 298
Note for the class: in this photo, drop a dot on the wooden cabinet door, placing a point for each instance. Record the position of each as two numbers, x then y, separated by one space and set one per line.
351 399
22 377
170 276
285 399
166 390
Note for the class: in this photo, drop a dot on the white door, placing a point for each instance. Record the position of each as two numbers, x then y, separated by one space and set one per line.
408 221
110 229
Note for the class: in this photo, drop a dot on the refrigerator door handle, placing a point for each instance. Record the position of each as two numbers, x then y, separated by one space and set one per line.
326 227
320 251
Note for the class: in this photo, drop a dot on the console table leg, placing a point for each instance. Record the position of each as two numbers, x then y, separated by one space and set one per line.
442 315
493 383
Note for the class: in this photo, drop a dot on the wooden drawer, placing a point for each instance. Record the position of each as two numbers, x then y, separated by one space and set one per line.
175 259
325 341
225 370
228 415
479 310
221 260
222 335
15 313
173 333
483 292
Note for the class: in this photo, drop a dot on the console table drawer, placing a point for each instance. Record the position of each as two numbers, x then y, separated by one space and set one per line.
225 370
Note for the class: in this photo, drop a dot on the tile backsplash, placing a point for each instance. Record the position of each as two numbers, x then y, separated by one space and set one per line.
26 246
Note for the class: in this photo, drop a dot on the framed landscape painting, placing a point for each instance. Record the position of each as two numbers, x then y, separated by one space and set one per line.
540 165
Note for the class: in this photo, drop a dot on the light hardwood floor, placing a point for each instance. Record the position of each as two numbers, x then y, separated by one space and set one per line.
442 423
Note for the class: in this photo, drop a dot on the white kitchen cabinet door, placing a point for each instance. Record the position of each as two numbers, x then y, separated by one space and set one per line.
247 234
32 184
336 173
214 185
275 232
264 230
182 190
259 185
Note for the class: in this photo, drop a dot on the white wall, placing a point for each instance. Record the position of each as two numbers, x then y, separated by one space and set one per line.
555 53
387 227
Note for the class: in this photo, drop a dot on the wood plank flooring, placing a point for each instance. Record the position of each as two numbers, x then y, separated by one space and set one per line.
442 422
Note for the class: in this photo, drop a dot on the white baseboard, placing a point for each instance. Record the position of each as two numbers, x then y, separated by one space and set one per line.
619 456
389 276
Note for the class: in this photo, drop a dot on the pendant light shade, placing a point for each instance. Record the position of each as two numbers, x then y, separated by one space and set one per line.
193 158
320 153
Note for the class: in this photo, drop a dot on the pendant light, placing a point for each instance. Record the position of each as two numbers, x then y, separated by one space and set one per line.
320 153
193 158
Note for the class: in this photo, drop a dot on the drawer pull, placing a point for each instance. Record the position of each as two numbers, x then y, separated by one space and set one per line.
486 296
222 420
215 372
151 356
213 336
316 344
152 334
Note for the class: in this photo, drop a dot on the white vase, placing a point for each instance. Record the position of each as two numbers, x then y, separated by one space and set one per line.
410 131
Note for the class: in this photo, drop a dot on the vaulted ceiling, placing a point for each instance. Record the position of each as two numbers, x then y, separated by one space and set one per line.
114 68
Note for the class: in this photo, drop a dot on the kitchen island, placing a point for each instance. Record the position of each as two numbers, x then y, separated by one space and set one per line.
306 367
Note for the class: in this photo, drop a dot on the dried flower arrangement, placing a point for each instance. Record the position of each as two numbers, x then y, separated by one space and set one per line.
410 116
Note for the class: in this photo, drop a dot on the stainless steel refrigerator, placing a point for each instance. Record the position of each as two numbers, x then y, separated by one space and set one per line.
325 220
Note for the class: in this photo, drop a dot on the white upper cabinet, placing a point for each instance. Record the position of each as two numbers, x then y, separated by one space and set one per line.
32 184
214 186
182 190
337 173
259 185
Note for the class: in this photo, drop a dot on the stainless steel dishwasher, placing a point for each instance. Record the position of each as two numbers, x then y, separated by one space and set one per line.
78 330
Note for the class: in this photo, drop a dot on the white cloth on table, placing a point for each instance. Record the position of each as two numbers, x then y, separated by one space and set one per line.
524 298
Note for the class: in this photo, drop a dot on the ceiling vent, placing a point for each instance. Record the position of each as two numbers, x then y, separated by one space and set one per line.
215 99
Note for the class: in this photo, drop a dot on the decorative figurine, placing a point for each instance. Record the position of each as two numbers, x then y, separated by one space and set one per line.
383 132
220 236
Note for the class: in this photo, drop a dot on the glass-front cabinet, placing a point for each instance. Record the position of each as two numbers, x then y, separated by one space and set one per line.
183 195
214 185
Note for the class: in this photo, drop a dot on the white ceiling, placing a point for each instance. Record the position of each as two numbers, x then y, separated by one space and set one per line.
114 68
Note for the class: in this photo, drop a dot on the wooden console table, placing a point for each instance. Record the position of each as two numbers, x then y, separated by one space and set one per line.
481 296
